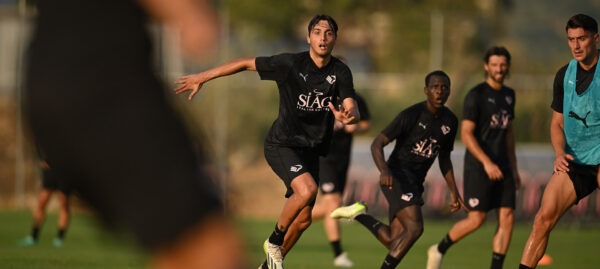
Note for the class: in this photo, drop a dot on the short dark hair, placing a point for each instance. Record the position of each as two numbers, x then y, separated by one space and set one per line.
582 21
323 17
496 50
436 73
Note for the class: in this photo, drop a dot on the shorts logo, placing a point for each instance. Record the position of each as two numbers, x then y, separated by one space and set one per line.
296 168
473 202
407 196
327 187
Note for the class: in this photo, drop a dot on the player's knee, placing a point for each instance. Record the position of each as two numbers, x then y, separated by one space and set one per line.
476 220
543 221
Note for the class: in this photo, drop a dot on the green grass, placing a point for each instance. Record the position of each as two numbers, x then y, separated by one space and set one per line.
88 246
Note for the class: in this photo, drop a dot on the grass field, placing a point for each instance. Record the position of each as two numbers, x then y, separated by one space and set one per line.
88 246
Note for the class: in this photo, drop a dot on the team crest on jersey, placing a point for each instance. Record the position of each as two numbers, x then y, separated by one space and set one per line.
331 79
327 187
445 129
295 168
509 100
407 196
473 202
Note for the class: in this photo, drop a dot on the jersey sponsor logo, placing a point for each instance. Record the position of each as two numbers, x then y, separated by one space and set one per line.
327 187
473 202
331 79
303 76
296 168
445 129
500 119
407 196
313 101
423 125
427 148
491 100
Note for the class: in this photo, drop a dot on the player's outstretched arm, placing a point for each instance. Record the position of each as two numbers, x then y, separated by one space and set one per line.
193 83
448 172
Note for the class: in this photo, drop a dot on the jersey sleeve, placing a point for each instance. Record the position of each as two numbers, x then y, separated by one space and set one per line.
401 125
345 83
274 67
471 107
453 122
558 90
363 109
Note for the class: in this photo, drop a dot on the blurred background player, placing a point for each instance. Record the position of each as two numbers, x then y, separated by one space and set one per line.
333 172
574 134
50 184
423 132
97 108
310 85
490 174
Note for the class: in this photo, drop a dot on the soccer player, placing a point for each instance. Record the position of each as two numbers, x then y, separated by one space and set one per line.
490 173
574 134
315 89
50 184
333 175
99 112
422 132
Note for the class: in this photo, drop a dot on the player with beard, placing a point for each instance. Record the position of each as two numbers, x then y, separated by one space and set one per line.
423 132
309 83
490 167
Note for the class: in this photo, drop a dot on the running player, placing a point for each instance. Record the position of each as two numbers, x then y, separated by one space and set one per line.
50 185
309 84
333 175
490 173
574 133
423 132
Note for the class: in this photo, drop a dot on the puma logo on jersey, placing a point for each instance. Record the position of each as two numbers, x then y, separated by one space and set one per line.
407 196
577 117
303 76
296 168
491 100
423 125
473 202
331 79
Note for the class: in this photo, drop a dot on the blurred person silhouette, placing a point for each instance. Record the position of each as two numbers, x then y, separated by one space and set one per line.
491 176
422 132
97 108
574 134
315 89
333 173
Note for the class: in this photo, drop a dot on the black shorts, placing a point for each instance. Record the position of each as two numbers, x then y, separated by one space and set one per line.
54 183
584 178
288 163
113 135
332 175
406 190
483 194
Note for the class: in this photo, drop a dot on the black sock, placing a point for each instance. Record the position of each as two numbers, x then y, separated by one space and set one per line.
445 244
277 236
369 222
35 233
521 266
264 265
61 233
337 248
497 260
390 262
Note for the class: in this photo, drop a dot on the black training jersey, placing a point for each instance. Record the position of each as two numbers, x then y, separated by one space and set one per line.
305 91
492 112
584 79
420 137
341 142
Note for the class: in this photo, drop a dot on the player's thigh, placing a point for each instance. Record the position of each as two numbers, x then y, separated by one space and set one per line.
559 195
